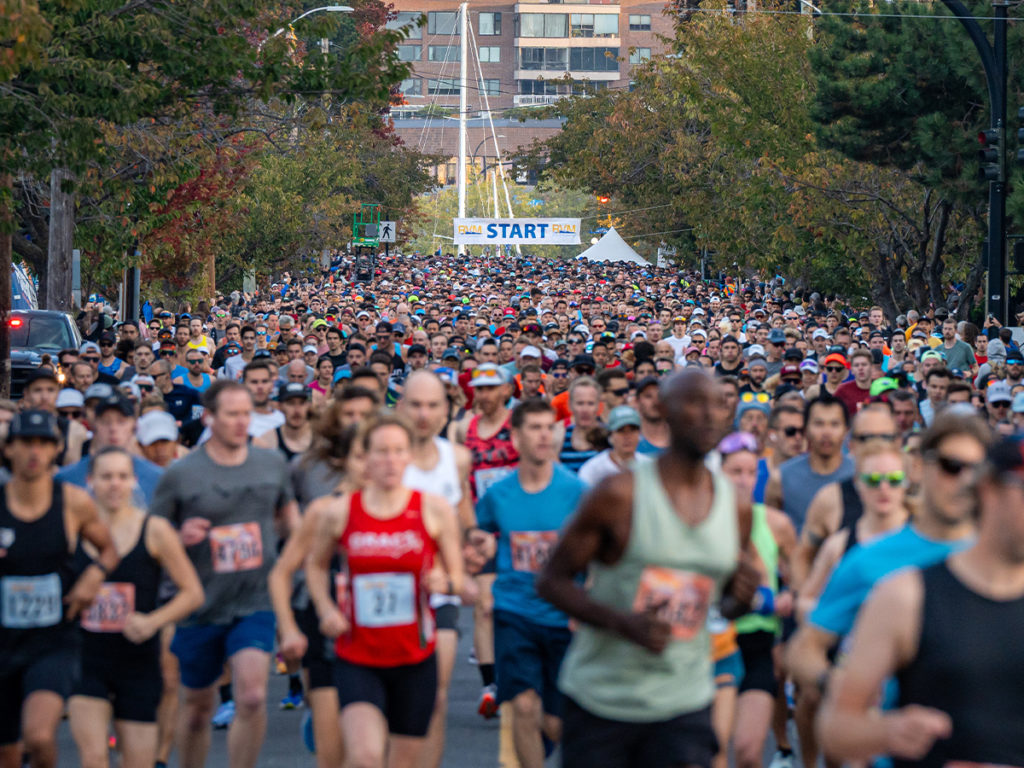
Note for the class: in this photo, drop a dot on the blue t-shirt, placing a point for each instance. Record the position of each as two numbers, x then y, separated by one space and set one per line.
645 446
528 525
864 566
147 474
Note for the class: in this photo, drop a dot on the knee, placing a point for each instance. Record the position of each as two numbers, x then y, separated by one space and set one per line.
250 700
527 706
198 713
364 756
749 751
38 738
483 610
169 672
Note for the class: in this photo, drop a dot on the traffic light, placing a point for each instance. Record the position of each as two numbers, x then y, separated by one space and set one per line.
990 155
1020 137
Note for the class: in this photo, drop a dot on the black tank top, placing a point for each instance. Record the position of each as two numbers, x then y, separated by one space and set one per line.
35 574
132 586
853 507
967 666
289 454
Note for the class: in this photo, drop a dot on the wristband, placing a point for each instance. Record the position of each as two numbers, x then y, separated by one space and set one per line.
764 601
100 565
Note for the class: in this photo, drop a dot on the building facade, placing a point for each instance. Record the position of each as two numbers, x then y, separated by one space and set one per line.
523 54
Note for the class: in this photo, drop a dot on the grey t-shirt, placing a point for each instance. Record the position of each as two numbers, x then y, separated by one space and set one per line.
800 483
241 503
960 355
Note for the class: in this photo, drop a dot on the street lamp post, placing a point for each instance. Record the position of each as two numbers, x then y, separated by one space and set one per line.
993 59
321 9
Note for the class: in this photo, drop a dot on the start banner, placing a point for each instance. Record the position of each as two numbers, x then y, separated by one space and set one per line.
517 231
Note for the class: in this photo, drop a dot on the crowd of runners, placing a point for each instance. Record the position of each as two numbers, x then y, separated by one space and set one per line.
685 512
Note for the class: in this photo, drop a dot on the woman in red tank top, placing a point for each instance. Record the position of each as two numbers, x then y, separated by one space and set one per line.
399 546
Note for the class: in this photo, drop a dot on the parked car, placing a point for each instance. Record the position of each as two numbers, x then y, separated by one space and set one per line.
34 333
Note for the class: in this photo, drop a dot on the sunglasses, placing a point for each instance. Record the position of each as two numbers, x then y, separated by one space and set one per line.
167 353
72 414
90 359
106 343
863 437
145 387
755 397
793 431
620 392
196 361
560 374
222 314
834 368
948 464
892 479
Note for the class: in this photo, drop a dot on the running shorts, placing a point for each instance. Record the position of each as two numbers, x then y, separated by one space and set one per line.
404 694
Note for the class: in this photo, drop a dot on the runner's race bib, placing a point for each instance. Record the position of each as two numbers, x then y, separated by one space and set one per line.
109 612
384 599
485 478
687 597
531 549
236 547
31 602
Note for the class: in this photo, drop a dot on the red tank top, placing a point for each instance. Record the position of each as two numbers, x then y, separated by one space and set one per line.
493 457
384 598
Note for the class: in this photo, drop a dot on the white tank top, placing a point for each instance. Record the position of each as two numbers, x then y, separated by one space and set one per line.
443 481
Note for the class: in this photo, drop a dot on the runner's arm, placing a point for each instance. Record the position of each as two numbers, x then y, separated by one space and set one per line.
317 563
296 549
816 580
464 509
884 639
163 543
773 489
86 521
446 535
818 526
592 534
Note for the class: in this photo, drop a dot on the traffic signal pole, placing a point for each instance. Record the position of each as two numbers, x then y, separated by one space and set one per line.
993 59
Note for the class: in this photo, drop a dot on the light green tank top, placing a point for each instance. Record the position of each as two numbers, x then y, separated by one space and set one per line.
664 558
763 539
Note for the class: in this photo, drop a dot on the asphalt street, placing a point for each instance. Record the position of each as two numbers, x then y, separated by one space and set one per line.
472 742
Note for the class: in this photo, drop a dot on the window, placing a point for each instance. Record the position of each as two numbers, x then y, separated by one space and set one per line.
543 25
490 24
490 87
639 55
442 23
409 52
594 59
443 53
445 86
593 25
409 21
638 23
490 54
411 87
550 59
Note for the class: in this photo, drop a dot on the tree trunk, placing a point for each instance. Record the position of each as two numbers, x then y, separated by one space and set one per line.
5 286
62 227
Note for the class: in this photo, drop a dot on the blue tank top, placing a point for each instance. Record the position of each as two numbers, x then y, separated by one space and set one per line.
571 458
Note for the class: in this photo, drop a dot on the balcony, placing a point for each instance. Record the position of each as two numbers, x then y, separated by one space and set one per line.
533 100
547 74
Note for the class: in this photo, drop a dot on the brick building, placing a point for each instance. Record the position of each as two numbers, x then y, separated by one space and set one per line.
520 55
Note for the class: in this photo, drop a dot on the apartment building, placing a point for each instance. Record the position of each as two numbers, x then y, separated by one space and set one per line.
520 54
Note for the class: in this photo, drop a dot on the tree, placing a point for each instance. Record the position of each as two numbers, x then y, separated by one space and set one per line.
133 64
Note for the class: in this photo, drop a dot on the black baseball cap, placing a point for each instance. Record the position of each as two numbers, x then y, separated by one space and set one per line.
583 360
417 349
42 373
115 401
292 390
645 382
32 423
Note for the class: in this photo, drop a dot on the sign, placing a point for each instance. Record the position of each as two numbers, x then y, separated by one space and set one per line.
388 231
517 231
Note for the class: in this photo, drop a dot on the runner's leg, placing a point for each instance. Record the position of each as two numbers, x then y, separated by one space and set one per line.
753 718
447 645
323 702
90 721
526 728
364 731
40 717
723 714
194 726
249 674
167 712
483 636
404 751
136 742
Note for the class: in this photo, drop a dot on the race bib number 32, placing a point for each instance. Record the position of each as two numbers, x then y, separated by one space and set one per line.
684 598
531 549
109 612
31 601
236 547
384 599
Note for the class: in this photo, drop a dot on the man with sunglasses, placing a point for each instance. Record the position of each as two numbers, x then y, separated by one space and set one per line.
90 354
938 629
953 449
196 378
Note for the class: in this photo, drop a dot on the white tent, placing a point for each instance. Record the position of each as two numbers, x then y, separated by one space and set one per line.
613 248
